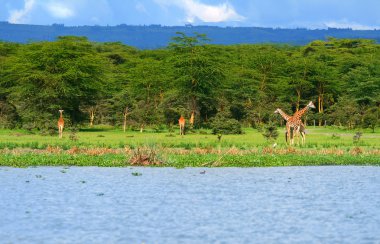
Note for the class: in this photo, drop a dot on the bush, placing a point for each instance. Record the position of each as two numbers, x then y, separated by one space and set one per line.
357 136
73 134
223 125
335 136
270 132
371 118
158 128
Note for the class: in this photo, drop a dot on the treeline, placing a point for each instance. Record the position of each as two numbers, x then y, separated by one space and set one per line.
157 36
109 83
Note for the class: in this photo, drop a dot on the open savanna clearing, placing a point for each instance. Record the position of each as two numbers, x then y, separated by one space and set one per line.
113 147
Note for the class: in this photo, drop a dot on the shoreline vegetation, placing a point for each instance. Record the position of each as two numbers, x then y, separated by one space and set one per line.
113 148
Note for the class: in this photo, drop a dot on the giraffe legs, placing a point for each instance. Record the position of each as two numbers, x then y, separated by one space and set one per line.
181 130
297 134
288 135
303 134
293 135
303 138
60 131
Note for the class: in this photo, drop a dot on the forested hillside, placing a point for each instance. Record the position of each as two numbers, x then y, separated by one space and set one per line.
154 87
157 36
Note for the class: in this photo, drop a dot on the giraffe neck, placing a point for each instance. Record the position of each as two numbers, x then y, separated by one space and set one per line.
301 112
284 115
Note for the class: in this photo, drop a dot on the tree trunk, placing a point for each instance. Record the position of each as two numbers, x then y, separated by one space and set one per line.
125 114
320 107
319 110
92 116
298 100
125 122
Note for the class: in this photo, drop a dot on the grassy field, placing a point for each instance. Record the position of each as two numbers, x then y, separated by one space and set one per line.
112 147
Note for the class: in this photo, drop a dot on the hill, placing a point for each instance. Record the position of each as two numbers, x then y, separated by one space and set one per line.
157 36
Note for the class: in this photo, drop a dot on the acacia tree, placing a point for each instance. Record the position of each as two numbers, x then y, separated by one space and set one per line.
300 69
371 118
48 76
8 113
267 63
197 75
345 112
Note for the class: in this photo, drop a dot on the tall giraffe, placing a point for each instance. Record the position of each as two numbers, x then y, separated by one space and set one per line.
181 123
61 124
296 118
296 128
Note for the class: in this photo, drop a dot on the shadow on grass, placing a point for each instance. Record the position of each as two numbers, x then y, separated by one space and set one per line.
95 129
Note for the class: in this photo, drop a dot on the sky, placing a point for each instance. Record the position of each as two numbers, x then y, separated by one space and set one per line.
312 14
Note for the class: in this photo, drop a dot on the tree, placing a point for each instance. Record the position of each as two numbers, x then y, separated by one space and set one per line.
346 111
268 64
270 132
197 75
48 76
371 118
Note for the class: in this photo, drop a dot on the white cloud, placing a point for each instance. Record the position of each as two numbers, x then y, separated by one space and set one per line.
21 16
196 10
141 8
59 10
347 24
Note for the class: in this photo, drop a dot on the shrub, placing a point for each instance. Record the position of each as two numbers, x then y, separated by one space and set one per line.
270 132
371 118
357 136
335 136
73 134
223 125
158 128
143 156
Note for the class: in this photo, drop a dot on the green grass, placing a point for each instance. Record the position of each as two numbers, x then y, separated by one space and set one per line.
21 148
316 138
180 161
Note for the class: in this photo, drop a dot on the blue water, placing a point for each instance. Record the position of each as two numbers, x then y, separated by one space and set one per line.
166 205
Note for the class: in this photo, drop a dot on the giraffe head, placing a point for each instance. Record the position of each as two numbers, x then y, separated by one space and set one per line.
60 111
277 111
310 105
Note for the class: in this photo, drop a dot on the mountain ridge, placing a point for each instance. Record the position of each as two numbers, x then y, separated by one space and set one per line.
157 36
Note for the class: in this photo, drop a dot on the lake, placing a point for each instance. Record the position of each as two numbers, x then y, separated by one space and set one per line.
192 205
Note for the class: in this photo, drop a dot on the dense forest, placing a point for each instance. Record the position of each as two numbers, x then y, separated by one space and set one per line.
109 83
157 36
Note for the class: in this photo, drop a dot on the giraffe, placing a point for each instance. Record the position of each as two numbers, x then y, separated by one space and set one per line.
181 123
296 129
61 124
296 118
289 125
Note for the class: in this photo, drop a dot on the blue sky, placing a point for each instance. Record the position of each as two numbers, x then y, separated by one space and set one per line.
355 14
